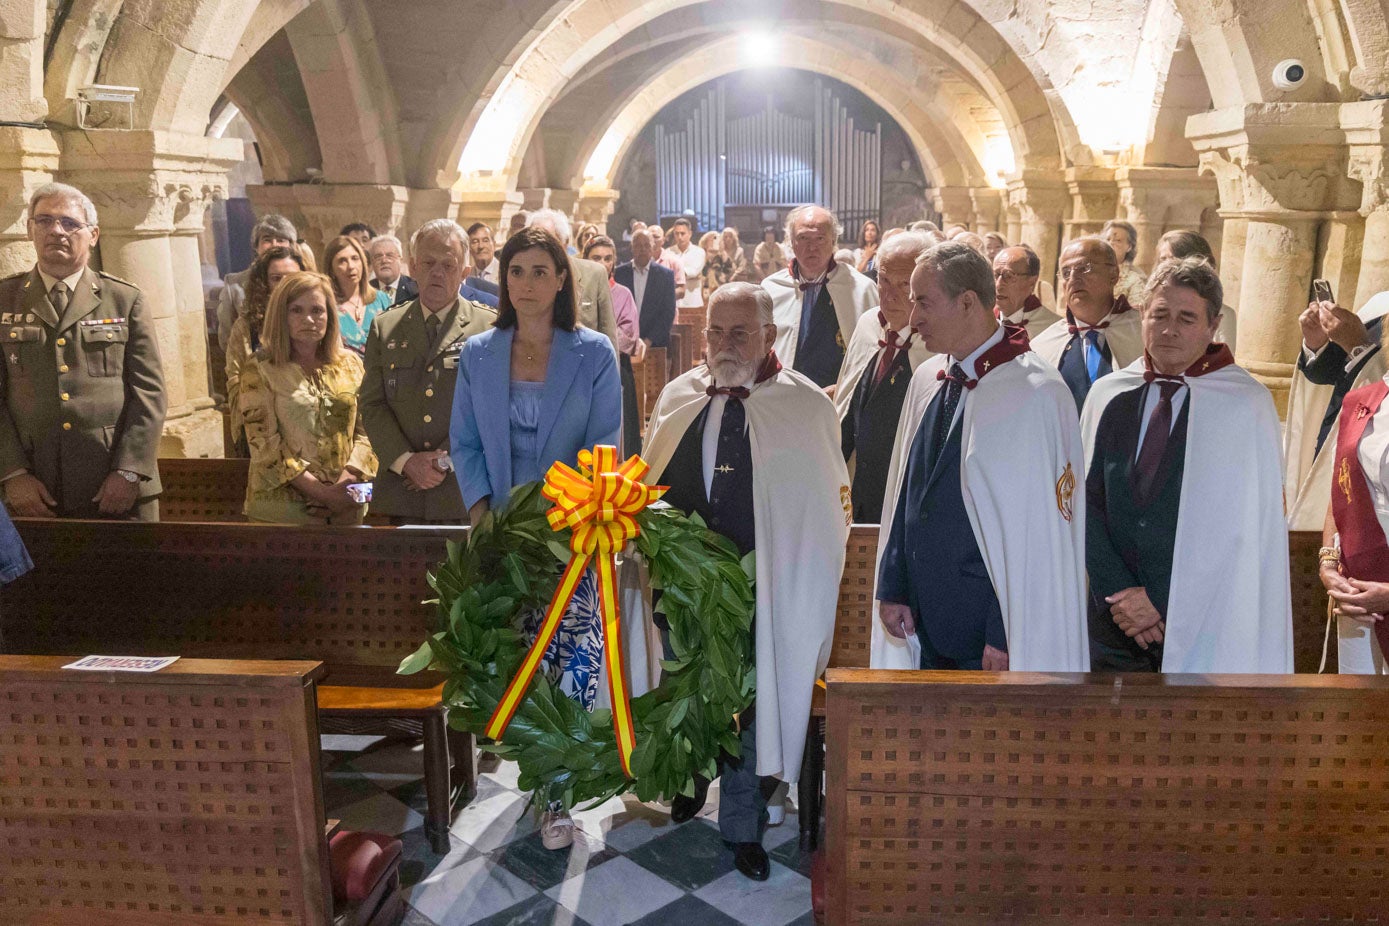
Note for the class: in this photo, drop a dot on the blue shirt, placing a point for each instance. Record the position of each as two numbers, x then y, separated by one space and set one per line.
525 420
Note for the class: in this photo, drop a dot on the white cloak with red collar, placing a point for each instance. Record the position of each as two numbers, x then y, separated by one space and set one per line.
1024 491
863 347
1230 604
1123 332
852 292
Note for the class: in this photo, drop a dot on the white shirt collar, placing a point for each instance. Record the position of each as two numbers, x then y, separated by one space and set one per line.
49 282
968 363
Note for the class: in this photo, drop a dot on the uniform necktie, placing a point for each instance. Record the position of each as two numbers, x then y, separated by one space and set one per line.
887 356
431 330
59 297
1156 437
954 388
730 433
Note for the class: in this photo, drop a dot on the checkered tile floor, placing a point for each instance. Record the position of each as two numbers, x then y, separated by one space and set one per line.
628 864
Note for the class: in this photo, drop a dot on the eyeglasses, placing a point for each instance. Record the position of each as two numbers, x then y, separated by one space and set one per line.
1073 271
69 226
735 337
1006 276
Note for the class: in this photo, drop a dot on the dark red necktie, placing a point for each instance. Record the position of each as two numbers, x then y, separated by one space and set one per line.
1157 435
889 348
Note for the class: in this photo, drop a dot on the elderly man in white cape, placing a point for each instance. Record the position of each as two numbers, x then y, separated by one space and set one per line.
817 302
1099 332
754 449
982 544
1186 545
878 367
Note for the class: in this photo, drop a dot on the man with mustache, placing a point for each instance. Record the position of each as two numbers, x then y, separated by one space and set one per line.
754 449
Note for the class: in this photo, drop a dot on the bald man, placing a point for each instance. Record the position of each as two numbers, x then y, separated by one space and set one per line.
1016 270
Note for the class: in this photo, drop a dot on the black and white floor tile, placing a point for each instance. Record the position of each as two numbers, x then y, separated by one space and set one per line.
629 864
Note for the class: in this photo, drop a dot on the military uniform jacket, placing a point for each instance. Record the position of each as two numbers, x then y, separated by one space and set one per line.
406 401
82 394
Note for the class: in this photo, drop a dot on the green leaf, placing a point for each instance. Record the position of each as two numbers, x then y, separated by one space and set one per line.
417 661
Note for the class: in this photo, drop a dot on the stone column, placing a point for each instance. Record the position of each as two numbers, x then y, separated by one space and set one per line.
151 190
1041 202
1157 199
987 204
28 155
495 208
1231 254
1094 200
955 205
595 204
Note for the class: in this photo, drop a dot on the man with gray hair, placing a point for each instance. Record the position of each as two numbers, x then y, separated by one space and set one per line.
982 562
388 267
272 231
81 387
817 301
406 397
754 449
595 309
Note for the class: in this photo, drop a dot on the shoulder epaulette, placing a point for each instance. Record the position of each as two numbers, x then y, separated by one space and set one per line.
115 279
15 276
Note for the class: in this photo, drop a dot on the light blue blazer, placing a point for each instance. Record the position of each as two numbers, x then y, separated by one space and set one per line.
580 407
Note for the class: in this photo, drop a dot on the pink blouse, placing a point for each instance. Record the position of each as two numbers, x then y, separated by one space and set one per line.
628 320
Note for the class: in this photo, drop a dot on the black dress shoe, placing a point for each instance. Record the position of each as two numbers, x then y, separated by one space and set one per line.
751 859
684 808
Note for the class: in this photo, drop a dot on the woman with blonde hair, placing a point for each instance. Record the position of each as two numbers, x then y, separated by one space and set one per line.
358 302
299 403
585 233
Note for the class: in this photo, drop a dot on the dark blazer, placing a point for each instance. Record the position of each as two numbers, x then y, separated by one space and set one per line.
484 285
582 406
932 562
475 294
657 309
407 290
1073 370
868 430
1329 369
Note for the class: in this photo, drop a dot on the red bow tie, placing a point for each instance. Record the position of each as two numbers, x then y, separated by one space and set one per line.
1075 329
889 339
960 378
733 392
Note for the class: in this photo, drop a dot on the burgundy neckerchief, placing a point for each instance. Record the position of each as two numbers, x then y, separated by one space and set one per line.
1121 305
1364 552
1029 305
771 366
1015 343
889 348
1216 357
821 280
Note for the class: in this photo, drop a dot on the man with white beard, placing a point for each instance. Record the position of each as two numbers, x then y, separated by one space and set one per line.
754 449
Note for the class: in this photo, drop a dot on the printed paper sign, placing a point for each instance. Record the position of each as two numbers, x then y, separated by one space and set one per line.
122 663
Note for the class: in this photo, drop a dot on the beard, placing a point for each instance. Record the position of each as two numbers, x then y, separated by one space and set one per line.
729 369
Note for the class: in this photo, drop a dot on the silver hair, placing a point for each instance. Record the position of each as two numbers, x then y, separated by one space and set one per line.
386 239
729 292
961 268
910 244
273 226
447 229
63 191
1194 273
556 220
802 212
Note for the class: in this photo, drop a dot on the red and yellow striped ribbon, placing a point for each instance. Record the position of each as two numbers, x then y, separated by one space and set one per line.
599 503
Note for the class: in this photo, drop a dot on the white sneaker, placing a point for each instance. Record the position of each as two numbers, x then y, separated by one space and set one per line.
776 806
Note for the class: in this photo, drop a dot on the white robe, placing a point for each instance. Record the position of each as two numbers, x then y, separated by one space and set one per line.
1124 337
801 507
1039 320
1230 604
1306 473
852 293
1020 440
862 348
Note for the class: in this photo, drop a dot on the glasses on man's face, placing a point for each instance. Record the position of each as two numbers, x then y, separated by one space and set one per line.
1083 269
733 337
69 226
1005 276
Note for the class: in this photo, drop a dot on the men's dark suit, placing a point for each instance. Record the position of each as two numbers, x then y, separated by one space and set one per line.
474 293
1329 369
484 285
1073 369
406 290
657 309
1129 540
932 562
820 350
869 429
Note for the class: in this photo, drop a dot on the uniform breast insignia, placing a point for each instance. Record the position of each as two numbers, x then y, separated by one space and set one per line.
390 345
6 318
96 322
28 318
1343 479
1362 412
1065 493
846 498
839 339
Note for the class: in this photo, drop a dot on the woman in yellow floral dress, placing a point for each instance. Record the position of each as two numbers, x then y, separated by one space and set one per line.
299 402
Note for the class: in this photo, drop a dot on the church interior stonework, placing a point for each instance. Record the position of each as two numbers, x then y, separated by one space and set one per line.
287 224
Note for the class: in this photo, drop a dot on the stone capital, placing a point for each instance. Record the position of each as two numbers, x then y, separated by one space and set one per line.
595 204
320 210
1038 197
1167 196
1094 197
491 207
955 204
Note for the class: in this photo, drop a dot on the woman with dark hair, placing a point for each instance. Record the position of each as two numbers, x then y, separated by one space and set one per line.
1123 238
345 262
866 254
533 390
265 274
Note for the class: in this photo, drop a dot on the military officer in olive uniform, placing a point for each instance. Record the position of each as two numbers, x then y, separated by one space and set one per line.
81 389
406 398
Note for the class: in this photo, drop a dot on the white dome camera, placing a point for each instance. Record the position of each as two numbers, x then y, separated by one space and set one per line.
1289 74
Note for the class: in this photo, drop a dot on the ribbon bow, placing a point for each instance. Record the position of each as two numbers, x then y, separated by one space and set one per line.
961 378
598 503
733 392
1149 376
821 280
1075 329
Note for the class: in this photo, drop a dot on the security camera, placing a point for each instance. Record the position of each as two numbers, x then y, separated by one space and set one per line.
1289 74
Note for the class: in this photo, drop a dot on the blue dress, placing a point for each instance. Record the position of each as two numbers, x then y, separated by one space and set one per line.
575 657
354 336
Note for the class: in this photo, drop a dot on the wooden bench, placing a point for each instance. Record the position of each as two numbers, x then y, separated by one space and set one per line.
351 598
187 797
984 798
203 490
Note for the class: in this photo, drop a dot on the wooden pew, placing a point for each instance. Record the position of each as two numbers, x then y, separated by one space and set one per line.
351 598
985 798
201 490
187 797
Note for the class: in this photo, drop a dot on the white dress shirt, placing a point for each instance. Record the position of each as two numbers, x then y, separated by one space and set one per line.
968 366
692 259
639 277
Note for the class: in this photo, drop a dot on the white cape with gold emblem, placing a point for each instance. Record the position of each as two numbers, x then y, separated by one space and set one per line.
863 347
1124 337
800 492
852 293
1024 492
1230 604
1307 473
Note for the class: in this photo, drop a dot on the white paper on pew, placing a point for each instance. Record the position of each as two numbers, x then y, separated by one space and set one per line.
122 663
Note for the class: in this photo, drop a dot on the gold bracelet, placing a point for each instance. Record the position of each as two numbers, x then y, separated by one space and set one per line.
1329 555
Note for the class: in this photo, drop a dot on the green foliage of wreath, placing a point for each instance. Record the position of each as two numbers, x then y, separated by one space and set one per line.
511 564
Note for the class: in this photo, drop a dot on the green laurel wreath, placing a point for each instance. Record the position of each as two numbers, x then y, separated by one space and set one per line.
511 564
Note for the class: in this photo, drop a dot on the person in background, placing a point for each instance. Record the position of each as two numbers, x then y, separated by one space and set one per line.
387 267
361 231
653 288
536 389
630 346
692 258
1123 238
299 402
483 248
1180 244
767 257
265 274
866 254
306 255
662 256
1015 280
585 233
731 247
993 243
519 219
272 231
358 302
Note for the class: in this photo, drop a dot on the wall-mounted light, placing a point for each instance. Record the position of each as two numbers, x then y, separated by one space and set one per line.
99 106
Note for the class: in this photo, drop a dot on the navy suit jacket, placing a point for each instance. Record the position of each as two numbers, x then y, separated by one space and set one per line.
581 407
406 290
657 310
473 292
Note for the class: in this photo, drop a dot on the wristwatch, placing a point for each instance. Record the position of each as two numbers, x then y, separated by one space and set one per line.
128 476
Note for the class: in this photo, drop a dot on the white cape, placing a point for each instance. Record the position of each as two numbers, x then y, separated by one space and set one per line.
852 293
1230 605
800 494
1020 449
1037 321
1124 337
863 346
1306 473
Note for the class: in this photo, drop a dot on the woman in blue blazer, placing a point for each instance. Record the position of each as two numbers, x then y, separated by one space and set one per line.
535 389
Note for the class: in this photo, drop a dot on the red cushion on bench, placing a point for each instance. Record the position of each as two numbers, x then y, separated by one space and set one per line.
358 861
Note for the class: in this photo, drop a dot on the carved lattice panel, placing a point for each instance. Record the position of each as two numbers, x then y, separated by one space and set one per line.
198 490
854 616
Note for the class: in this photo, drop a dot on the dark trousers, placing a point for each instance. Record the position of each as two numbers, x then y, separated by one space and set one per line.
631 417
930 659
1108 654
